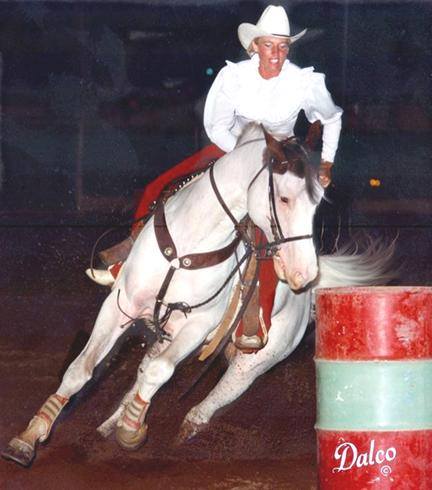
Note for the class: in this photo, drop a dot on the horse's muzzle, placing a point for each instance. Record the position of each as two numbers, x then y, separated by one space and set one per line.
297 279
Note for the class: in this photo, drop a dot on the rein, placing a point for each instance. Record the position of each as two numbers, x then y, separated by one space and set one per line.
237 226
274 220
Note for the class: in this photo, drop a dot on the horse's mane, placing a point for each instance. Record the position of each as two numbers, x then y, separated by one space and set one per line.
297 154
300 159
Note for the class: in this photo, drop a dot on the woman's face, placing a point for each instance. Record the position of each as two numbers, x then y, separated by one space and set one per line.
272 52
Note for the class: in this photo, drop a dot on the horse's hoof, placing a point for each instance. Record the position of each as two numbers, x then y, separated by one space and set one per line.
19 451
188 431
131 440
107 428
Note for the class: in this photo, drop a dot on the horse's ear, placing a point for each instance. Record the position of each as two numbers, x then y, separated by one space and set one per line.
275 147
313 136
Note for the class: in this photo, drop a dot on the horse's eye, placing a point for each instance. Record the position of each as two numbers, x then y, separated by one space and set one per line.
284 199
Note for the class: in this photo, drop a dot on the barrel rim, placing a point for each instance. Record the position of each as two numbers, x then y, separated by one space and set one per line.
372 431
375 361
373 289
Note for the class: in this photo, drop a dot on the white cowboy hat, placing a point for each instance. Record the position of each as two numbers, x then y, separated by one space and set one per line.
273 22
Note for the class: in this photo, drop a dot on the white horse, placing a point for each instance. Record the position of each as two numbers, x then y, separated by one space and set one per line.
158 273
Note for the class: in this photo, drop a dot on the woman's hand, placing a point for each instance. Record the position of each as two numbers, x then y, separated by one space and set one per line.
324 173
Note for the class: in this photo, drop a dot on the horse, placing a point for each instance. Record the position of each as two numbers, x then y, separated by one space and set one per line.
172 282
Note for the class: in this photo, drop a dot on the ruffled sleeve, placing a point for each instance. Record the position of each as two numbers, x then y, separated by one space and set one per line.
219 110
319 105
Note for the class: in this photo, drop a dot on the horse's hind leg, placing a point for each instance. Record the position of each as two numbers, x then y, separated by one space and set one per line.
240 374
131 431
106 331
288 327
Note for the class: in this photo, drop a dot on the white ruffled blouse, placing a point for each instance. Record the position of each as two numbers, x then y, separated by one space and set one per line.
239 95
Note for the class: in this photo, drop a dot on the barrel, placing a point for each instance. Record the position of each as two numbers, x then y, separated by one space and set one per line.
374 388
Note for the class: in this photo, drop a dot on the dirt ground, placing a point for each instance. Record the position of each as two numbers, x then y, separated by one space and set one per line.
265 440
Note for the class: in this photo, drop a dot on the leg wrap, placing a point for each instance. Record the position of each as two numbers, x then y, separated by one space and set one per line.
22 448
49 411
133 418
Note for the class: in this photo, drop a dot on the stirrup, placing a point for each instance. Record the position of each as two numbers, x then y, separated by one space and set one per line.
101 276
249 343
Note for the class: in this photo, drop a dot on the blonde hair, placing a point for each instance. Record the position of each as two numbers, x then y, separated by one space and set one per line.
251 50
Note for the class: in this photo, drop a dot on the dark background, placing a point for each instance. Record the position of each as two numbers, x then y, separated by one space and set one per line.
99 98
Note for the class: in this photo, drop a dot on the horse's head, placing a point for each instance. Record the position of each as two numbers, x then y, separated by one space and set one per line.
282 201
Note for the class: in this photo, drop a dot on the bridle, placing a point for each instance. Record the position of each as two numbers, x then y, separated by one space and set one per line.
276 229
270 248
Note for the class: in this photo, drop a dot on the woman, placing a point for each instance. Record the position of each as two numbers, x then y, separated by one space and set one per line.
267 89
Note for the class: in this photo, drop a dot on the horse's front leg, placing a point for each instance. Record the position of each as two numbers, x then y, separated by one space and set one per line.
131 431
106 331
108 427
291 317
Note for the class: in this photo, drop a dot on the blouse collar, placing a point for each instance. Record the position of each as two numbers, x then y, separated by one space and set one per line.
255 62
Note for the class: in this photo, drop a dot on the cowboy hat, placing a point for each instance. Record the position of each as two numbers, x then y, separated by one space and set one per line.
273 22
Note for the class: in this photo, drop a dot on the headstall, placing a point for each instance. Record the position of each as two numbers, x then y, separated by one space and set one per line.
276 229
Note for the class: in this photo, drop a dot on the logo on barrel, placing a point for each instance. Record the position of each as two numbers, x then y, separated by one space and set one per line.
349 457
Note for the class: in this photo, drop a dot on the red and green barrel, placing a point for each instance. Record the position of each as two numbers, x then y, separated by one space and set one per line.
374 388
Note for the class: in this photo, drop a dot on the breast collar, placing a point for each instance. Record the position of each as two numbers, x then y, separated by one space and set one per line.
189 261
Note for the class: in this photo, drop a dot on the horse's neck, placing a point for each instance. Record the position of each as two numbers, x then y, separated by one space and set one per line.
196 215
234 174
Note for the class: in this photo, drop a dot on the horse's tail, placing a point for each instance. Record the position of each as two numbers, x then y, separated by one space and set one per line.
347 267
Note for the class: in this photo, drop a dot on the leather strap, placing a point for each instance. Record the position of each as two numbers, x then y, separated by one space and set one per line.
251 314
163 237
224 325
237 226
189 261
